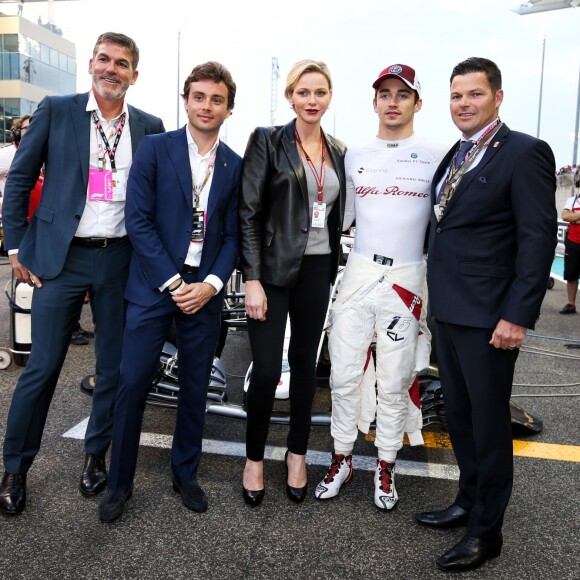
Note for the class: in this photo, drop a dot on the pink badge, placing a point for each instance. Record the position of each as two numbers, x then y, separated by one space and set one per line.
100 185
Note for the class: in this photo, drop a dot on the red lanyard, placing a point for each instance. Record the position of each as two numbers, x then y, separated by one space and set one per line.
319 178
111 152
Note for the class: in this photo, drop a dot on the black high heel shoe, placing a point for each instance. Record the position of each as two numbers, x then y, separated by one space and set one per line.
253 498
296 494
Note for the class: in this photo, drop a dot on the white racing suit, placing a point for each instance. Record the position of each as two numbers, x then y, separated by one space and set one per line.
383 303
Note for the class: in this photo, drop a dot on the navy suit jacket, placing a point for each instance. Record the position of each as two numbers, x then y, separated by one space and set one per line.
59 139
159 216
491 252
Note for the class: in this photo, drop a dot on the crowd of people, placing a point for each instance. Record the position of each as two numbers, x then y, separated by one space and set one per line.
570 170
152 223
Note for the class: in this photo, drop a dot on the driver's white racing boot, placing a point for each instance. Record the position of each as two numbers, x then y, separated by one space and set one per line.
339 472
385 492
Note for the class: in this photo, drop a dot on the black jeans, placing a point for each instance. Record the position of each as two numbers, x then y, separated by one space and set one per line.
306 303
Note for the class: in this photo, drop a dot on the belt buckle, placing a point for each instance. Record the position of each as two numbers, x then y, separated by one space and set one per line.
102 241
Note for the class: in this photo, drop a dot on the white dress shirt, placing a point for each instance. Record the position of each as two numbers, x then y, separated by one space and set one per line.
199 164
106 219
477 159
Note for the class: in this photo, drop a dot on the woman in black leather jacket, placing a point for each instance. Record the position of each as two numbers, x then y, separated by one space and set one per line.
291 210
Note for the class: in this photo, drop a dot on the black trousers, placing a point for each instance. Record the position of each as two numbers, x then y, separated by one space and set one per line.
477 381
306 304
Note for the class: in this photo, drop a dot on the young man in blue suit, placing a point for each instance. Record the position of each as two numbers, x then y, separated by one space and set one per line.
182 219
491 245
76 242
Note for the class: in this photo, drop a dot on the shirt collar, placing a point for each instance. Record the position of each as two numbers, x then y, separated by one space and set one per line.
193 145
92 105
477 135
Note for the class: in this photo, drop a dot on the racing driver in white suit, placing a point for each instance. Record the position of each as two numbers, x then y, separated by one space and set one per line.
382 294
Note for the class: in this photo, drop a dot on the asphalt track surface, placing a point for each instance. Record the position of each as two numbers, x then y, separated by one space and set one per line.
60 536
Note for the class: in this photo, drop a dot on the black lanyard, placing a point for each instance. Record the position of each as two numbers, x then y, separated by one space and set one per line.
110 152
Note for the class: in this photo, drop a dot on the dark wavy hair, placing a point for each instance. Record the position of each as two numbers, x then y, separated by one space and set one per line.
213 71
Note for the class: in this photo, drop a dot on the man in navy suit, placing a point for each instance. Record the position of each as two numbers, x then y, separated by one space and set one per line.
182 219
76 242
491 245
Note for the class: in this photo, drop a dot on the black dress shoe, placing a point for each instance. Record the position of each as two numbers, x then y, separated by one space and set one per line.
13 494
78 338
296 494
470 553
88 385
451 517
253 498
112 504
192 496
94 475
568 309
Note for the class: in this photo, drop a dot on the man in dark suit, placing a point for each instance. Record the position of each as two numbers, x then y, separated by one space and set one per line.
492 241
181 216
76 242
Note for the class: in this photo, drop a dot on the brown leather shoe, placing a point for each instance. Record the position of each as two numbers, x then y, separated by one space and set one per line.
13 494
94 475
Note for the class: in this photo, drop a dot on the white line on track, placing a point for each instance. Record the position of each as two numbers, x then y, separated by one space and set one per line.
360 462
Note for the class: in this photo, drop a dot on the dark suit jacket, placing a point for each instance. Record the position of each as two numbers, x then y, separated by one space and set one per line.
59 138
274 207
490 254
159 215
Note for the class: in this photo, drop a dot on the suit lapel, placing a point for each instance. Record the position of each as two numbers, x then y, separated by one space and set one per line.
178 152
177 149
468 178
441 171
219 179
291 150
81 121
82 124
137 127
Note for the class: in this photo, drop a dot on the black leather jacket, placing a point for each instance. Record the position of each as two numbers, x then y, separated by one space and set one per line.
274 208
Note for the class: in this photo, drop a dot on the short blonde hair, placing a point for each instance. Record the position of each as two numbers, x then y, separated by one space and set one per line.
302 67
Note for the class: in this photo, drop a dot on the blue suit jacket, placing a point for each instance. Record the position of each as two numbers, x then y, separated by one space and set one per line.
59 139
159 214
491 252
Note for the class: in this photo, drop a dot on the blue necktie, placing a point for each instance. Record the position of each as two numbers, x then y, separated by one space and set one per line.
464 147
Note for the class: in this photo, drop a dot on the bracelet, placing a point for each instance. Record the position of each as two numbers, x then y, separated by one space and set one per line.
178 289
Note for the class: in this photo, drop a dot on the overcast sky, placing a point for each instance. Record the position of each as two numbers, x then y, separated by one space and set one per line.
357 39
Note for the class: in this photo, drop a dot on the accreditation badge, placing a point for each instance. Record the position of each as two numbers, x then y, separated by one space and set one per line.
198 227
119 186
318 214
437 210
107 185
100 185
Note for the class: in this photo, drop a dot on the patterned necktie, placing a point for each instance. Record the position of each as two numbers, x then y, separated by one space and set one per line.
464 147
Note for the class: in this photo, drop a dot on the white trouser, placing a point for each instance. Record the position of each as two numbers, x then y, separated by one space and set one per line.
383 302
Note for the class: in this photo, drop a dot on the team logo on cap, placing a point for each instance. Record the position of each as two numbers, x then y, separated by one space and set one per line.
414 156
396 69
